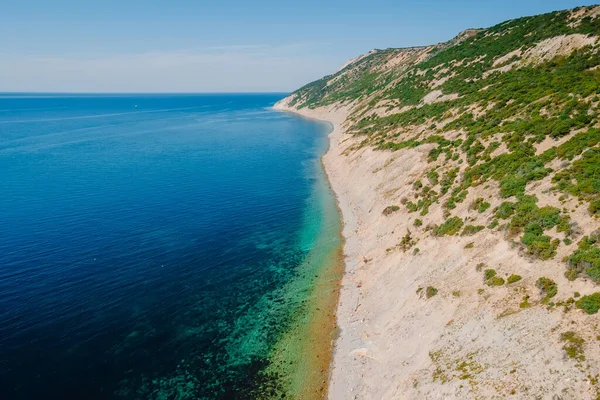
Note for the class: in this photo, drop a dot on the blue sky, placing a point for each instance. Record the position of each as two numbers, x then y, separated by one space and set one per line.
226 45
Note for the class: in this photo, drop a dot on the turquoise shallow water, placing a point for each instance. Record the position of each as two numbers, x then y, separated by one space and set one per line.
149 243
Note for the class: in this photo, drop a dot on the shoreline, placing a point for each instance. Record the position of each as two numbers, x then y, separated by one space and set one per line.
457 283
396 342
302 356
347 292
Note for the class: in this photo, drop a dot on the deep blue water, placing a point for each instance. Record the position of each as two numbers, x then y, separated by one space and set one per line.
140 233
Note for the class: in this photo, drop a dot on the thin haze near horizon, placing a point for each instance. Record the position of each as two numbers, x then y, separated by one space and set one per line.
226 46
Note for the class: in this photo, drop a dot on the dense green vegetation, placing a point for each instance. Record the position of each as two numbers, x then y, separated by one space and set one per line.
361 78
582 179
355 80
535 221
520 165
489 135
549 87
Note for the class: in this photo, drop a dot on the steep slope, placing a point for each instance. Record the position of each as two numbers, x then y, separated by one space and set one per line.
468 174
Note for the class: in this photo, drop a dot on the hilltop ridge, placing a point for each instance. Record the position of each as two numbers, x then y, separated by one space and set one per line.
468 173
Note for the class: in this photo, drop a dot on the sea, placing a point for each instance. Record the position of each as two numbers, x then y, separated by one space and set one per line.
157 246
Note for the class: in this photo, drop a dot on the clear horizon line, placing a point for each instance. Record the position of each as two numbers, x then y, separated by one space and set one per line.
183 93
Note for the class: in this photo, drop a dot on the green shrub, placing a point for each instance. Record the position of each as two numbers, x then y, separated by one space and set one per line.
514 278
470 230
582 178
525 303
492 279
450 227
407 241
571 274
418 222
540 246
480 205
495 281
505 210
574 345
448 180
535 221
430 292
412 207
586 258
389 210
594 207
548 287
433 177
590 303
489 274
493 224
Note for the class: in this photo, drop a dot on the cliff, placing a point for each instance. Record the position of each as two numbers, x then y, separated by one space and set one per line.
468 174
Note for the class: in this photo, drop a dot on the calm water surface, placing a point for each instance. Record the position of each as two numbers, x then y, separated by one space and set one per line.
146 241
